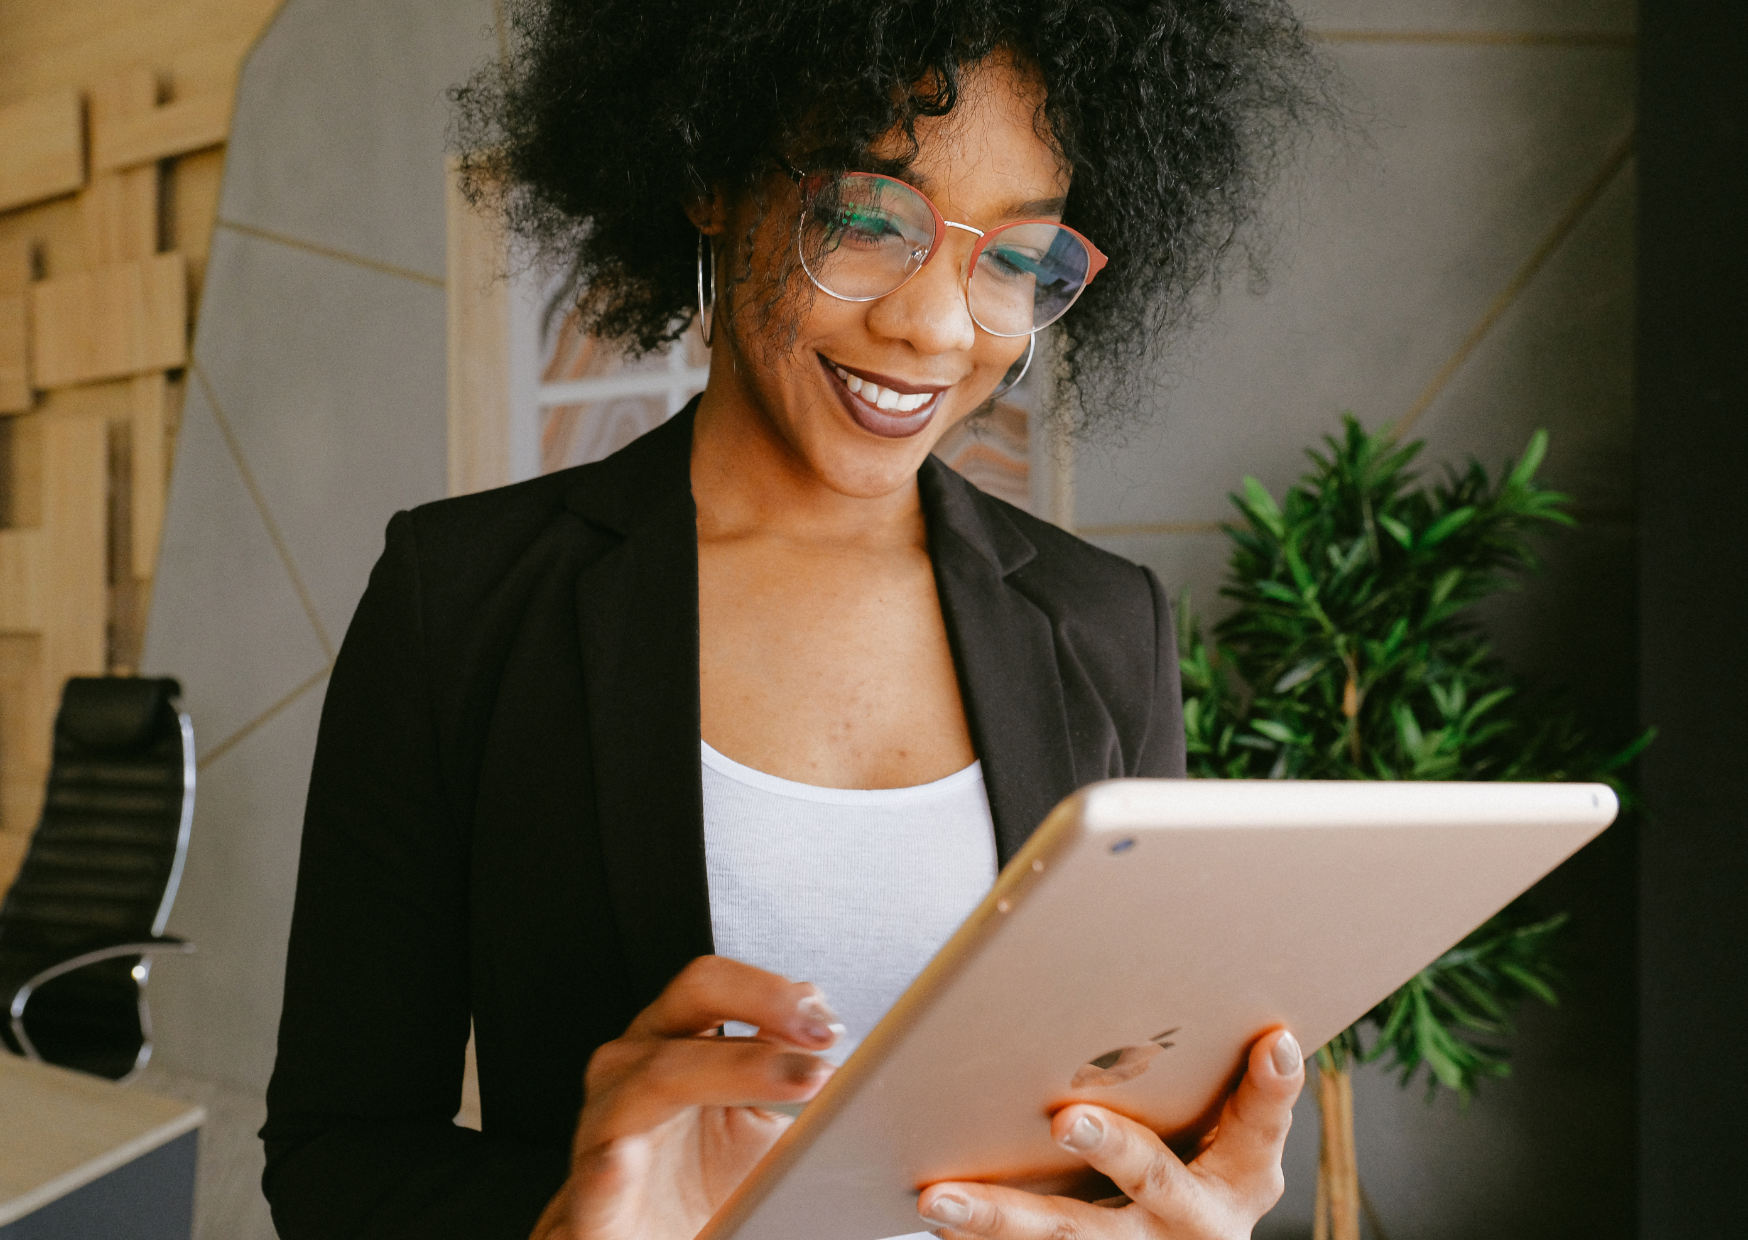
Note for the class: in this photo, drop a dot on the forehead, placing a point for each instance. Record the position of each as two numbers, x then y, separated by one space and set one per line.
992 147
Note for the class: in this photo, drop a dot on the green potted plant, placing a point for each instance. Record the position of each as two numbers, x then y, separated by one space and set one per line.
1353 653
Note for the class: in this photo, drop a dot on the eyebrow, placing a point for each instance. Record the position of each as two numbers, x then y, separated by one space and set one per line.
1038 206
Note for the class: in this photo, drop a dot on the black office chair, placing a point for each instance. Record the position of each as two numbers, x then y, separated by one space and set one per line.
86 913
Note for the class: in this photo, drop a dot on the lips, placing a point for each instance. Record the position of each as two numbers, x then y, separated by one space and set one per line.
886 423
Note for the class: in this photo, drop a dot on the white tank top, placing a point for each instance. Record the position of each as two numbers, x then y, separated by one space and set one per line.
854 891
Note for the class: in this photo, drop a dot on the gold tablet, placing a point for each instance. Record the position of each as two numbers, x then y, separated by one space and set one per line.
1145 935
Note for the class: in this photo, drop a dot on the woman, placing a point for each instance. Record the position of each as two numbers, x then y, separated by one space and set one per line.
733 727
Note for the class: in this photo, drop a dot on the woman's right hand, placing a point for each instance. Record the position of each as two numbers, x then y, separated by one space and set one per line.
672 1118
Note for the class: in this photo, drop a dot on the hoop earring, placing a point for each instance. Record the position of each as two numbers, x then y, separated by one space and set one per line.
706 313
1018 370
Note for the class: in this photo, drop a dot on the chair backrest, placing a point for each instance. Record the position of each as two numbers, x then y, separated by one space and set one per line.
107 855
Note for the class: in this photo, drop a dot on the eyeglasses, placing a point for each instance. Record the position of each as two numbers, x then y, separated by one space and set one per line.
862 235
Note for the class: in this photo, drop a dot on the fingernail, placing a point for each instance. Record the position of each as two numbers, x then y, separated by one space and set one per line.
1287 1056
949 1211
1086 1134
820 1022
797 1069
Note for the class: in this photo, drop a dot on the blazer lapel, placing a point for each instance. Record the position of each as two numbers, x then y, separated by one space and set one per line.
637 614
1005 653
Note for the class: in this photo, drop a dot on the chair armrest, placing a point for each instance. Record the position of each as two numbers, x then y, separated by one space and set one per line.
15 993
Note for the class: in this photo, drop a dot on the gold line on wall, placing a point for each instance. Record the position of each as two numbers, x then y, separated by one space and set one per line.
255 493
1482 38
326 251
241 734
1144 528
1563 228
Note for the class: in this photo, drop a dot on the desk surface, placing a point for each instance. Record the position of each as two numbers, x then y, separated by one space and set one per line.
60 1130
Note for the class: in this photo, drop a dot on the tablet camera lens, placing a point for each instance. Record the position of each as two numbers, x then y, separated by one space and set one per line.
1122 846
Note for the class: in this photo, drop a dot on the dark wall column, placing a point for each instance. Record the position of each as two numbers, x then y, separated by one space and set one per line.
1693 461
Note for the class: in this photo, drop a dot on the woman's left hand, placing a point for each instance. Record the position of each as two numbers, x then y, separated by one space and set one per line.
1219 1195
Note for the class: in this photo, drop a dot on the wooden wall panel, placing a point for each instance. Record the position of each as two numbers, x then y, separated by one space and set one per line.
148 418
44 141
23 508
22 581
89 413
14 355
25 723
45 44
192 200
161 132
75 533
116 321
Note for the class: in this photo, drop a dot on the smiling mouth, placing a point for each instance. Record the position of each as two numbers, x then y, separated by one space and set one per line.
879 410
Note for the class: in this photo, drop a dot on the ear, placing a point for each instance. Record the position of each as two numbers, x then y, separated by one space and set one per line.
709 215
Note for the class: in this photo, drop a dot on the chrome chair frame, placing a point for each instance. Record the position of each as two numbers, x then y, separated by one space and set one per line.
159 944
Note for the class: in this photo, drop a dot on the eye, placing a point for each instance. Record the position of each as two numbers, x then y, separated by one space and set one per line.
861 226
1012 262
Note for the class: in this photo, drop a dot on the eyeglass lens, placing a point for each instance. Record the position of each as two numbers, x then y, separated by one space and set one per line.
863 235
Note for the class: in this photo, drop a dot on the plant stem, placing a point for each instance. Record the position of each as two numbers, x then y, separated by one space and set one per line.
1350 707
1338 1186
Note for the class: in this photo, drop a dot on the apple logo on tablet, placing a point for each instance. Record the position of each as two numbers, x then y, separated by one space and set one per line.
1123 1064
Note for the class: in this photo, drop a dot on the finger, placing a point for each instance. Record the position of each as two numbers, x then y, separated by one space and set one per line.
1246 1151
634 1086
714 989
1013 1214
1135 1160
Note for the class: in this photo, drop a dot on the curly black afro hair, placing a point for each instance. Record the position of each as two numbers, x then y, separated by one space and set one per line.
608 116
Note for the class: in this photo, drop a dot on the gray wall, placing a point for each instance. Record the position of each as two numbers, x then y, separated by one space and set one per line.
315 409
1465 261
1491 136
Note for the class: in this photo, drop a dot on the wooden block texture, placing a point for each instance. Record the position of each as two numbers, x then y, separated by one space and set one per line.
21 581
44 144
75 528
168 130
121 320
118 217
14 355
150 402
26 724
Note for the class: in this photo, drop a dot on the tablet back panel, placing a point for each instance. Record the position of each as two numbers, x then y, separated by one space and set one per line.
1148 932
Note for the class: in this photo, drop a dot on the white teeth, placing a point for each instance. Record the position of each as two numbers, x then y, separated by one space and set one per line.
883 398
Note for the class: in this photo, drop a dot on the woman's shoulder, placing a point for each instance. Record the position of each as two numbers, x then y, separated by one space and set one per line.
1059 571
481 537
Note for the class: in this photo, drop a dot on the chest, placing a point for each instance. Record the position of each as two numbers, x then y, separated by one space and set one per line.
828 665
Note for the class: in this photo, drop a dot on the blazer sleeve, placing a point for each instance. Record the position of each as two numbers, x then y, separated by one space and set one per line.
1162 753
359 1133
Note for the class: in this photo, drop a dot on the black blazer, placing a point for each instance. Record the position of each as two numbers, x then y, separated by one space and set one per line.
505 817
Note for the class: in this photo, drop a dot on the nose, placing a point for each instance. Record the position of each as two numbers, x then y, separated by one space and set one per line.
929 311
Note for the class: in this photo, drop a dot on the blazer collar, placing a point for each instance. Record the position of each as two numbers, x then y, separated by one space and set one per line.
652 472
637 613
637 622
1004 648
